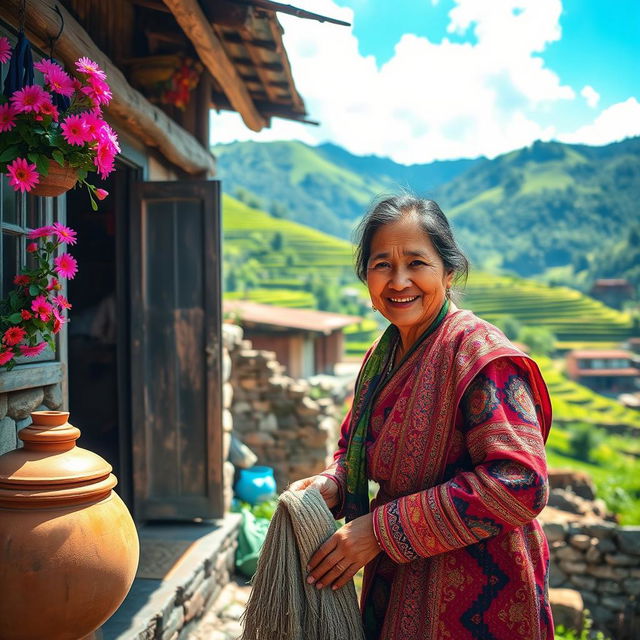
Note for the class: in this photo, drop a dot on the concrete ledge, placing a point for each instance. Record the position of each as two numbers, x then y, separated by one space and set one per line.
167 609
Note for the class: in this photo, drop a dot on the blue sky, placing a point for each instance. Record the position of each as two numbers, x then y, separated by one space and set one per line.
419 80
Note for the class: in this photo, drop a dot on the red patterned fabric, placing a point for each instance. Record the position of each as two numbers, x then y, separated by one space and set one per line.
456 443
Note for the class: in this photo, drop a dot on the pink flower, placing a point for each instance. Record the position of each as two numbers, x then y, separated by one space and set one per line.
49 109
109 138
32 247
30 99
5 356
41 308
26 315
22 175
13 335
41 232
54 285
98 90
93 124
104 159
74 131
5 50
58 321
85 65
7 117
45 66
21 281
32 352
64 234
66 266
59 81
62 302
101 194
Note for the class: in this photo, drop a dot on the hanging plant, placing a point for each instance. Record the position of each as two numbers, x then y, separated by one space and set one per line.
34 311
52 137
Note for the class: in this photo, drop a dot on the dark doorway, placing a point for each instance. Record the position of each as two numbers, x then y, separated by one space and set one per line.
98 332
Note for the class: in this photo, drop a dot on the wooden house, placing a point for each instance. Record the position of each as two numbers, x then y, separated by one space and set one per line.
305 341
610 372
139 364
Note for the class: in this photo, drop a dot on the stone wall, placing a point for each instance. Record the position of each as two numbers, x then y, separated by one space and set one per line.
274 415
16 406
602 562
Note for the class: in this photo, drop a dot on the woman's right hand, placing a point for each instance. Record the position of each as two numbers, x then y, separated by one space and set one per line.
328 488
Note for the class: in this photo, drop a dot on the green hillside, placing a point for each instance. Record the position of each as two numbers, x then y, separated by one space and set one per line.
575 319
325 187
557 212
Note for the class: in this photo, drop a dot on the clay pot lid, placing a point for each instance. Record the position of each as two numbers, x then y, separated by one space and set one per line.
50 457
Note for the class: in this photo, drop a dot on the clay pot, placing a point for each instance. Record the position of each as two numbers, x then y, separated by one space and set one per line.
58 180
68 546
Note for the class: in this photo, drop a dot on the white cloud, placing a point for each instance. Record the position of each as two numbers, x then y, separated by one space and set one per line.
591 96
429 101
619 121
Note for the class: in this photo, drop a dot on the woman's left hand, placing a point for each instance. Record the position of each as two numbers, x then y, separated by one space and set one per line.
343 554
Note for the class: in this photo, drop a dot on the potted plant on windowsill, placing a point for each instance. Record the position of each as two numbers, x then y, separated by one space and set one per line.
52 137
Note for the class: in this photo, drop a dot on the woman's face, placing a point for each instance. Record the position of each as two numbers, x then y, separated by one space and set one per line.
406 276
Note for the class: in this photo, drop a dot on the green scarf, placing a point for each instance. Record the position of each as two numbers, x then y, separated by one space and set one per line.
376 372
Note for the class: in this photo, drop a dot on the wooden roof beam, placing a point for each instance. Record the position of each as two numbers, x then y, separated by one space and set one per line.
191 18
148 122
269 5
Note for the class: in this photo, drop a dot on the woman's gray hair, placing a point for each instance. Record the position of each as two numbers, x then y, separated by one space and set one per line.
431 219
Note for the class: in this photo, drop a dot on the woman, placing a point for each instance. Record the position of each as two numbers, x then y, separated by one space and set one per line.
450 419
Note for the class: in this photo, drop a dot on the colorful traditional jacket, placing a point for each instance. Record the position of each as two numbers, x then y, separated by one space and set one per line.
456 444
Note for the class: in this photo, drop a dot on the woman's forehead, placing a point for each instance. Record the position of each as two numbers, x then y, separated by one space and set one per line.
405 235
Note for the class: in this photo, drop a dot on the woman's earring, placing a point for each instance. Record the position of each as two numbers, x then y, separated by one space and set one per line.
373 308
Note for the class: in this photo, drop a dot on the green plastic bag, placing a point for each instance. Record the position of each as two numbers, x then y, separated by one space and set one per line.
251 537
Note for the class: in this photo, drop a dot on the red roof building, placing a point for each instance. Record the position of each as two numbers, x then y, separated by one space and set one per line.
306 342
610 372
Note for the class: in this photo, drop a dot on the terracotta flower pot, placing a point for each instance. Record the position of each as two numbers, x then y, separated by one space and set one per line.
68 546
58 180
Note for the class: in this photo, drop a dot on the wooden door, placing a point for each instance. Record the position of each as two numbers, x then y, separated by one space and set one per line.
176 350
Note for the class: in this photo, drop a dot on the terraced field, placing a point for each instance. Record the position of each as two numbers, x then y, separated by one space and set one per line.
575 319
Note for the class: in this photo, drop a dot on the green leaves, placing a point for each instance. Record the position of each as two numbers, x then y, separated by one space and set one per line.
34 290
41 162
15 318
58 157
9 154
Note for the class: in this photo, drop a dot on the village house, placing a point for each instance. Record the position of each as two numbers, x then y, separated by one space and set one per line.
612 291
140 365
610 372
306 342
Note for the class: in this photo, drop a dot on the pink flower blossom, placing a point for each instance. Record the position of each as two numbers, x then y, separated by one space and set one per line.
89 67
101 194
66 266
59 81
22 175
98 90
7 117
45 66
64 234
5 356
13 335
26 315
32 352
41 308
93 124
21 281
49 109
104 159
30 99
41 232
62 302
109 138
5 50
32 247
54 285
74 131
58 321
